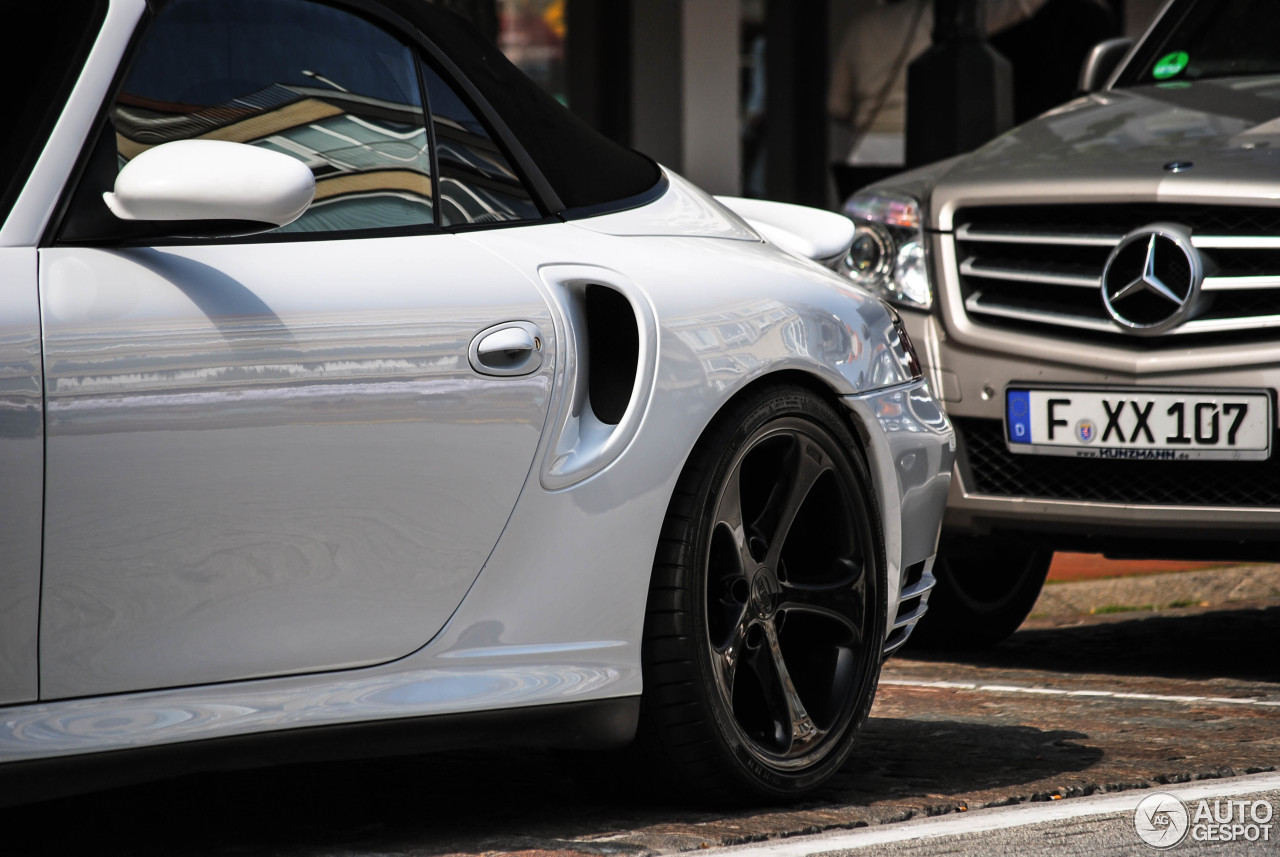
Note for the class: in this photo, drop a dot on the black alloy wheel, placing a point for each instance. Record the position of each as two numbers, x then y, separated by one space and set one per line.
766 619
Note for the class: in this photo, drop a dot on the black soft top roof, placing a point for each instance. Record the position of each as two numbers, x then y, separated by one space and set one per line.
587 171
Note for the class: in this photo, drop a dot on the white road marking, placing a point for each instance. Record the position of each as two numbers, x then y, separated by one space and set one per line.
1001 818
1052 691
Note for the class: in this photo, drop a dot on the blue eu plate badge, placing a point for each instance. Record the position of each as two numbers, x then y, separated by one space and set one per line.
1018 407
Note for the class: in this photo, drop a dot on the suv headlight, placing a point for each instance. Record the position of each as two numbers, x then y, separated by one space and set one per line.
887 254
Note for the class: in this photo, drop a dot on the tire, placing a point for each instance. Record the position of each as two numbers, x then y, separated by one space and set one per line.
986 589
766 615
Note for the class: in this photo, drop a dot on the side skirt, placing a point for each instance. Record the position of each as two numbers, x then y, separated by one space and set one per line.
595 725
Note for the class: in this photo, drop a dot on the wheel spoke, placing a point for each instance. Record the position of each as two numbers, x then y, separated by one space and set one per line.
729 658
789 495
729 515
842 601
803 733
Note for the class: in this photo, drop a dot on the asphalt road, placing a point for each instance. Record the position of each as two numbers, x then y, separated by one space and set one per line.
1129 698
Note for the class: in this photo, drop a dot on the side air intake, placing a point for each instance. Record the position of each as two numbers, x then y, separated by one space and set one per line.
605 377
613 352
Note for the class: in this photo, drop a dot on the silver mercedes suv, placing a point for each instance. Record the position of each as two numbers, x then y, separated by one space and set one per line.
1097 297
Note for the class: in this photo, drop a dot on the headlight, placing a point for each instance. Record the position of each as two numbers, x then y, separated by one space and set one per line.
887 254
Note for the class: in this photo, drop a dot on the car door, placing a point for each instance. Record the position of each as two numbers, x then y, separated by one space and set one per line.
56 39
276 455
20 468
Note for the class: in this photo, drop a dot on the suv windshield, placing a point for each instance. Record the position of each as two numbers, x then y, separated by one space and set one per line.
1208 39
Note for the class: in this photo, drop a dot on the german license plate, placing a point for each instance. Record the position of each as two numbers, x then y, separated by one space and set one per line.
1151 425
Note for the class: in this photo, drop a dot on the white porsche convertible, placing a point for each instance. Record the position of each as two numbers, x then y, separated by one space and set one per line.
348 384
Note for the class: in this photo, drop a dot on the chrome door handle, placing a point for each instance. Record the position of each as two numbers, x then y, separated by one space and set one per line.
506 339
511 348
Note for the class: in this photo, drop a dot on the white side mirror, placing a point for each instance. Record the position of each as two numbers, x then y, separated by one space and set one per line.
239 187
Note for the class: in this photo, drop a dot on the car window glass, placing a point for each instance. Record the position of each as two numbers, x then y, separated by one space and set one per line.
322 85
1225 38
477 182
588 172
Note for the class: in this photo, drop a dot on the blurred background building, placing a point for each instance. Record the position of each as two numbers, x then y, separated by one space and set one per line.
771 98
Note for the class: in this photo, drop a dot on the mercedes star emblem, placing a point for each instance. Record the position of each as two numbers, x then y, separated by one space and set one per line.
1152 279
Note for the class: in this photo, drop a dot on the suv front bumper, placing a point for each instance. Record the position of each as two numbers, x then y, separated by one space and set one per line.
1220 509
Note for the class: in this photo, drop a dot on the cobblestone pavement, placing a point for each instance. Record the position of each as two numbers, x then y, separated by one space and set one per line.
1132 695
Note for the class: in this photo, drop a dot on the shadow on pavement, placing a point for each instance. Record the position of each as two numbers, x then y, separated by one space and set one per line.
898 758
1193 644
419 805
472 802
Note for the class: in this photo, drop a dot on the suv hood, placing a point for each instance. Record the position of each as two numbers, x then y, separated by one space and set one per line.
1120 144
